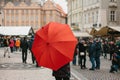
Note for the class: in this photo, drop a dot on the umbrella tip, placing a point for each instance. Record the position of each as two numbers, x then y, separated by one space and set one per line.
48 43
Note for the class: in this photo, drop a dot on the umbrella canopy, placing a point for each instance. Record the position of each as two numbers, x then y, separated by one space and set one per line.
54 45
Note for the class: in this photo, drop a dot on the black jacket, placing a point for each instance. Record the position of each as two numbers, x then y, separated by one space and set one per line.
24 44
82 48
63 71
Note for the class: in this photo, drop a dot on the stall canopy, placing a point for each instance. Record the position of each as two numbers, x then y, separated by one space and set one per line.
92 31
116 28
103 31
16 30
81 34
108 31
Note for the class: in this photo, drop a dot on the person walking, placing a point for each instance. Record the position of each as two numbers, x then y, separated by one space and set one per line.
17 44
24 47
63 73
11 44
30 48
6 46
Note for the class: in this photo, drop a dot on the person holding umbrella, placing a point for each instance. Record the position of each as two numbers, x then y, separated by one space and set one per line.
63 73
53 47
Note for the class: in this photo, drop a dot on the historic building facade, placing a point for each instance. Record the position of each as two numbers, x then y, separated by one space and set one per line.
0 17
27 13
93 13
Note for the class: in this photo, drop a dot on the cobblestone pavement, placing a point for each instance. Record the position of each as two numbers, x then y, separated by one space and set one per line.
102 74
13 69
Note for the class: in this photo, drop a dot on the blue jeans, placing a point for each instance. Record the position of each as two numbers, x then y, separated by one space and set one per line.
92 59
97 60
74 60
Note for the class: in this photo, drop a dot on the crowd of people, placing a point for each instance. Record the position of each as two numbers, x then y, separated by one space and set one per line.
14 44
94 48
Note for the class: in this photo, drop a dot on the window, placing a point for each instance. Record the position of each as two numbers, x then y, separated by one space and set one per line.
36 18
7 18
12 12
37 12
12 18
17 11
93 18
112 15
27 12
96 17
7 11
22 12
16 18
31 18
85 19
88 17
31 12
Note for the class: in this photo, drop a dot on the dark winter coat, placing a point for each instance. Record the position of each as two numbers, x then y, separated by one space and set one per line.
30 43
63 71
24 44
75 51
112 48
98 49
82 48
105 48
6 42
91 49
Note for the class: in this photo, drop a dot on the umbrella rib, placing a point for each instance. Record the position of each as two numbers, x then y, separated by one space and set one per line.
61 30
51 58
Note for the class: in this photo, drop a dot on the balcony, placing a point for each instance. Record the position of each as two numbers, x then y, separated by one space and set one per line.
113 5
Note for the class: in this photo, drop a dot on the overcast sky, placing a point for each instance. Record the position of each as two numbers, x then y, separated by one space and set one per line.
63 4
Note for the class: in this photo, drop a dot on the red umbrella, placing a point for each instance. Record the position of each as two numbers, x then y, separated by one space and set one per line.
54 45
